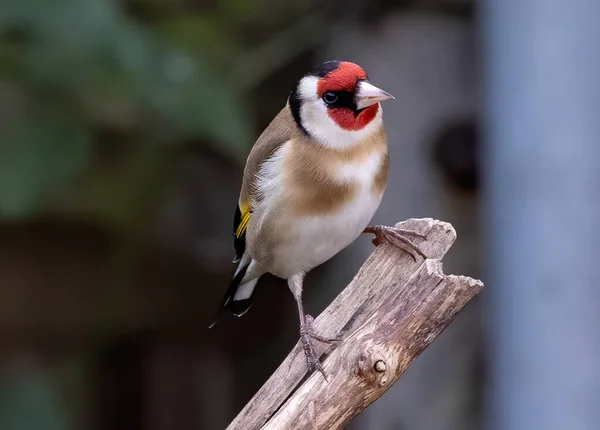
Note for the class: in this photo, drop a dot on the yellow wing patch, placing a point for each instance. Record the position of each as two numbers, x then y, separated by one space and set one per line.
245 217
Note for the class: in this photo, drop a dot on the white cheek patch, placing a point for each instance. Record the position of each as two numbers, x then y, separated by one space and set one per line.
307 90
321 126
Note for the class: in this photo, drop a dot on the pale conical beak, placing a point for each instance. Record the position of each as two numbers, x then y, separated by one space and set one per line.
367 95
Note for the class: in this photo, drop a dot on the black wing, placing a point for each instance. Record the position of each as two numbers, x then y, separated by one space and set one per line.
240 222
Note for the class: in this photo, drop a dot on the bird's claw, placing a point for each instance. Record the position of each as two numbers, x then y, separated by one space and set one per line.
312 360
397 237
307 333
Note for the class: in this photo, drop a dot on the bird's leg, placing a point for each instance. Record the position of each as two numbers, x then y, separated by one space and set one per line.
398 238
307 331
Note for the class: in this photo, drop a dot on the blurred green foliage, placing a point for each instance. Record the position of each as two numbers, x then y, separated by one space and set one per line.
30 402
35 397
100 101
96 96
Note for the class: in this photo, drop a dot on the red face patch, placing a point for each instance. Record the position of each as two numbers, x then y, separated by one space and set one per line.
343 78
348 120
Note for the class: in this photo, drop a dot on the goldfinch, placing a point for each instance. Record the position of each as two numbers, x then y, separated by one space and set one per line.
311 185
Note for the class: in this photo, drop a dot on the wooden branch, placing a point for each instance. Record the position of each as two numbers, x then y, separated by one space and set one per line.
390 312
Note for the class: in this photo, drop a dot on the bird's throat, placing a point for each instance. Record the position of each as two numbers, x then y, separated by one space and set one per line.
349 120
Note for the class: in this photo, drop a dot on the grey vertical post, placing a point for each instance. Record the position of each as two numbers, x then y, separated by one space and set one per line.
542 167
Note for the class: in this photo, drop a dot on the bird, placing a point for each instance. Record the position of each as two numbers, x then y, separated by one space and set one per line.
311 184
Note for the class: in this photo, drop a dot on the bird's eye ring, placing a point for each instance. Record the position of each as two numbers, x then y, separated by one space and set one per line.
330 97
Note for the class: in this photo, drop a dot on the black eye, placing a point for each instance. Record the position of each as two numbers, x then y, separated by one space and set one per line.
330 97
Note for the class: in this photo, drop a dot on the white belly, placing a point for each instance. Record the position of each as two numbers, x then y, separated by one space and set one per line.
324 237
311 240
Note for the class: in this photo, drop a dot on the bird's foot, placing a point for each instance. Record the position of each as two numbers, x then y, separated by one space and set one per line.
307 334
398 238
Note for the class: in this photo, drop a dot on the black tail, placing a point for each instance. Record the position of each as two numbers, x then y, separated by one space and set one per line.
236 307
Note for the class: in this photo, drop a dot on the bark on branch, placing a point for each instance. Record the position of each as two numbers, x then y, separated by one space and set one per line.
390 312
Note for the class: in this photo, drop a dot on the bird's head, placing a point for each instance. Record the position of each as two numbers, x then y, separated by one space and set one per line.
336 105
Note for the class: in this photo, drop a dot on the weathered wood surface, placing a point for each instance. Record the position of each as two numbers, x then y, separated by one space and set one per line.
390 312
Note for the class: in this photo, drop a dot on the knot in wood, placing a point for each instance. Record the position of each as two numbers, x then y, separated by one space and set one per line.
372 367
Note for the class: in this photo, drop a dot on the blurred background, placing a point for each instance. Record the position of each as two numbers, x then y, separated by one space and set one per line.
124 127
